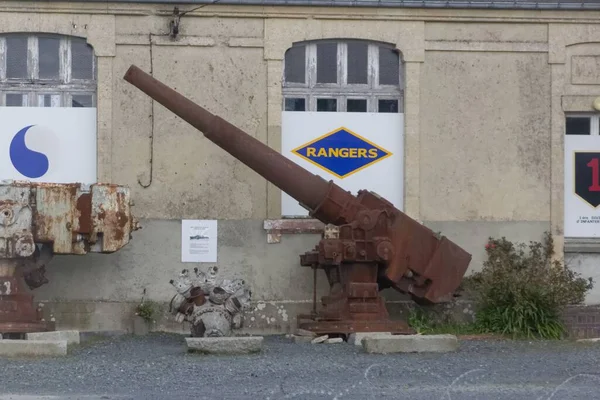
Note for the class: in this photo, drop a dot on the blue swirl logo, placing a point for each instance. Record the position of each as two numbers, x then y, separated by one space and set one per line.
29 163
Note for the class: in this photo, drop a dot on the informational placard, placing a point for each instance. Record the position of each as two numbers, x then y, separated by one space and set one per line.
198 240
582 186
48 144
354 150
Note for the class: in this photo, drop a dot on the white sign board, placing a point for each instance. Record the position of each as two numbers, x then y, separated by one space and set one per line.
48 144
198 240
355 150
582 186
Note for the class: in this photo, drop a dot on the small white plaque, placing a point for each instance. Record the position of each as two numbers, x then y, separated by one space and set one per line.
198 240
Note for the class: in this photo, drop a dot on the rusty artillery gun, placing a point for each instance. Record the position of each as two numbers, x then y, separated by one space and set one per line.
368 244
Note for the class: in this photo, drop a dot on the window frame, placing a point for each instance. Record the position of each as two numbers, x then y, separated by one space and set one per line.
594 122
372 91
34 87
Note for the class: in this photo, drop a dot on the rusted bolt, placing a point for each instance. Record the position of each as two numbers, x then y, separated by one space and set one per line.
7 216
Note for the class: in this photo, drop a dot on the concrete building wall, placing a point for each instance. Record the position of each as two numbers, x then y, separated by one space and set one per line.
485 140
496 166
485 96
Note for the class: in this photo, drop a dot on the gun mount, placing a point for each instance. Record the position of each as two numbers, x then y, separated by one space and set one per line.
39 220
369 245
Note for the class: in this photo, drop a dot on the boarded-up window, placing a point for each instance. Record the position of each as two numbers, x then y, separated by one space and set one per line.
343 76
46 70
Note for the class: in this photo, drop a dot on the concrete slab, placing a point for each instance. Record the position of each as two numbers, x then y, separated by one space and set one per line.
32 348
334 340
304 332
589 340
410 344
302 339
225 345
72 337
357 338
319 339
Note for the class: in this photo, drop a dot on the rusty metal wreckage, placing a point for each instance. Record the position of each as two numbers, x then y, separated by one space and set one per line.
68 218
368 244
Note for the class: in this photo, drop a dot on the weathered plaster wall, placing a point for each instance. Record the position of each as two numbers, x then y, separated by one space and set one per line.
489 32
145 267
485 93
184 175
485 137
485 140
586 264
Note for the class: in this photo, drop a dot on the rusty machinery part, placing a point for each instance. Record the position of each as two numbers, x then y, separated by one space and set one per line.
39 220
73 218
34 268
374 245
17 313
212 306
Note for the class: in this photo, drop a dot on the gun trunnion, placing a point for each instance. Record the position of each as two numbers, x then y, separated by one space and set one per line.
368 244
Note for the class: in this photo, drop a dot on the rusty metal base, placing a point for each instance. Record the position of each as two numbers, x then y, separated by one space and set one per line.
346 327
26 327
18 315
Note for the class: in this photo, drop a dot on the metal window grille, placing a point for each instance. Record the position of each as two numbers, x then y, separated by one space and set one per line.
46 70
348 75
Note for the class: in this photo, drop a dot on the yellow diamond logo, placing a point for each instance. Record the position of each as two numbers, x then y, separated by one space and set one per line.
342 152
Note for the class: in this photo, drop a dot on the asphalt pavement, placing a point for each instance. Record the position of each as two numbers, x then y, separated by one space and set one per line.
157 366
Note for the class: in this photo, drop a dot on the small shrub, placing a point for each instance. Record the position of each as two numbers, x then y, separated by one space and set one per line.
522 293
419 321
146 311
424 323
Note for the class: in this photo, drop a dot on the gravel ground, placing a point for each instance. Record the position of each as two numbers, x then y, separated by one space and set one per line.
157 366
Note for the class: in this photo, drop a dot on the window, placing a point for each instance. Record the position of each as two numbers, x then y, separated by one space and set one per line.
342 76
46 70
582 124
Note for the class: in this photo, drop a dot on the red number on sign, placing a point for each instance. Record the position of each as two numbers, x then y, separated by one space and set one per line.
595 166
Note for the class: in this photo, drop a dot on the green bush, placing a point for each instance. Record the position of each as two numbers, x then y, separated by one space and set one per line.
419 321
522 290
424 323
146 310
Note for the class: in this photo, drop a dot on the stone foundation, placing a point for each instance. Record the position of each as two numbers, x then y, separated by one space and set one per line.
276 318
582 322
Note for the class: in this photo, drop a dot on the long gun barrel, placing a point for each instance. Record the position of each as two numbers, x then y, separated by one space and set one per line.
308 189
372 232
